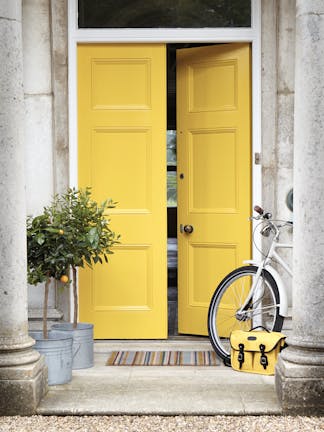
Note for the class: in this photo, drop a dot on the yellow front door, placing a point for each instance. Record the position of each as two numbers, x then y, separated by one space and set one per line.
122 155
214 173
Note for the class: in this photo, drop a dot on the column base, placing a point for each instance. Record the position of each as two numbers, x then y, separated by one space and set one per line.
22 387
300 387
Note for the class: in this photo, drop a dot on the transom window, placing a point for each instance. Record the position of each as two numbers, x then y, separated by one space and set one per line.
164 13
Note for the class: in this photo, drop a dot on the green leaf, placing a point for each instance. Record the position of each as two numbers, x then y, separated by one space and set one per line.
40 239
93 237
52 230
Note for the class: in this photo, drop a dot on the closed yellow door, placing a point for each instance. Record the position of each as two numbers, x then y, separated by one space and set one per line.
214 173
122 155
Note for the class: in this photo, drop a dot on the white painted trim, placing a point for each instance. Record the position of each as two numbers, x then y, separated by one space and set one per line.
256 121
73 136
163 35
217 35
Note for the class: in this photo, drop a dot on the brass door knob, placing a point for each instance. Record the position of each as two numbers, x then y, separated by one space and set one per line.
188 229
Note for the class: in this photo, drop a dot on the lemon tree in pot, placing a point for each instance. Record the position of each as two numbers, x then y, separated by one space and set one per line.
88 240
47 262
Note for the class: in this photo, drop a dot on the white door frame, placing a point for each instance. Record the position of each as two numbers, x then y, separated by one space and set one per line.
169 35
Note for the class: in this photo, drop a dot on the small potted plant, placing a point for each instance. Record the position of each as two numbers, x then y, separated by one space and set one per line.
88 240
47 262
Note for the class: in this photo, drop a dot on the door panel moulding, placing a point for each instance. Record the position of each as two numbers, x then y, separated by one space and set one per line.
158 35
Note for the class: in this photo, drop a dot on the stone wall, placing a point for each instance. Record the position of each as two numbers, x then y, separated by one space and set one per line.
278 63
38 125
45 43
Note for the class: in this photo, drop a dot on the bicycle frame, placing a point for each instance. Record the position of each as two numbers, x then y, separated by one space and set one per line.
266 264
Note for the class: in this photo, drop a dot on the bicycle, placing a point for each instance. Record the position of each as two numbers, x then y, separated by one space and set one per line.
253 295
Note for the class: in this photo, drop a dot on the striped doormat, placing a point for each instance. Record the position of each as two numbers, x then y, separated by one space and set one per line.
162 358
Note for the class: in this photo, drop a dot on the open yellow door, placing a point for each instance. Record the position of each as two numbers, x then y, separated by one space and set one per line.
214 173
122 155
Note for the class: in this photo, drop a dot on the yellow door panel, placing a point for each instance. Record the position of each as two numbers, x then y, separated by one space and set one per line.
121 154
214 173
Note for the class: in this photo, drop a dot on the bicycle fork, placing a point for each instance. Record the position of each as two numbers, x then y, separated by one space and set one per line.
256 292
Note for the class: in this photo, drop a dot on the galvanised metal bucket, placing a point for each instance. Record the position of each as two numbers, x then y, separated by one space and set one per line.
57 350
82 351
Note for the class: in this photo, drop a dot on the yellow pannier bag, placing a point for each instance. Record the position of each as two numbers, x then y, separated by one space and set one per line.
256 351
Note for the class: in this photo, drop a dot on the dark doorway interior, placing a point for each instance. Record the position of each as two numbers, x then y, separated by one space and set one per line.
172 199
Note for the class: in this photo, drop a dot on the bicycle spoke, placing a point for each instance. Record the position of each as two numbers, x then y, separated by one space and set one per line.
240 295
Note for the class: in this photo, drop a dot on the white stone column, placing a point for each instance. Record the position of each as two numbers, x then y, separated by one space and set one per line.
300 370
22 378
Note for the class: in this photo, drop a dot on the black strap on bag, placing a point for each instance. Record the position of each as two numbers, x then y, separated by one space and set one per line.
240 356
263 358
261 328
283 346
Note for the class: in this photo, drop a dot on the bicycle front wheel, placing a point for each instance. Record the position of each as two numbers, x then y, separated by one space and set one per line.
224 313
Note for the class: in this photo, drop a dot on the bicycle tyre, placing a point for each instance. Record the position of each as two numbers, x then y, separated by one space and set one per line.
222 320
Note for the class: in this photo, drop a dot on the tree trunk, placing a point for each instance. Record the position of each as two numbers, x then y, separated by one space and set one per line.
75 296
45 333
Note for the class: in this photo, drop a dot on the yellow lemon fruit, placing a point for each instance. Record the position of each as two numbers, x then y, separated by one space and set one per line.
64 279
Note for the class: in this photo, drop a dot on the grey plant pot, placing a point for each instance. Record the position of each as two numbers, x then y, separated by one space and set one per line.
57 350
82 351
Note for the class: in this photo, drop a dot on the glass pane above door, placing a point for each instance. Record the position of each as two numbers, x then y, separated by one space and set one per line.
164 13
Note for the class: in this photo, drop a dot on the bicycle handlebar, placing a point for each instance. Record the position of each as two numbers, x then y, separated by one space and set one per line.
270 224
260 210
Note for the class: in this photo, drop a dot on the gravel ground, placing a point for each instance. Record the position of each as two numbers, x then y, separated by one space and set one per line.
160 423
